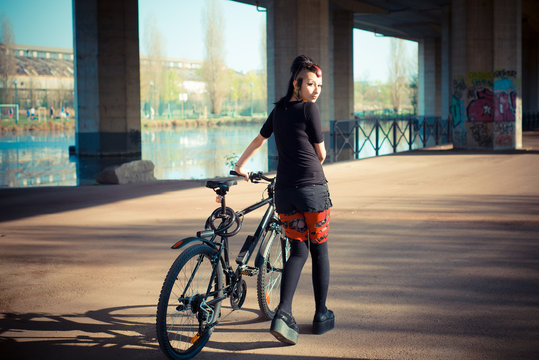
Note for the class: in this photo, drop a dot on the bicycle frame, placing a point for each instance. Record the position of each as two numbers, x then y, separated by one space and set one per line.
250 242
233 277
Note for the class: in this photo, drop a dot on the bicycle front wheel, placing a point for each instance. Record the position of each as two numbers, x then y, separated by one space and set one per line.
276 251
190 302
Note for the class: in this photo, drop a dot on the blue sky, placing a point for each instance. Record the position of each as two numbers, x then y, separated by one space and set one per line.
49 23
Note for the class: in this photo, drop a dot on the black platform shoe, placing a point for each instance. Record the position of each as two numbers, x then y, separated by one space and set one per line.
323 322
284 328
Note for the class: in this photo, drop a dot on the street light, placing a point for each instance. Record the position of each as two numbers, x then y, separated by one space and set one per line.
231 104
251 85
150 89
378 100
15 82
169 101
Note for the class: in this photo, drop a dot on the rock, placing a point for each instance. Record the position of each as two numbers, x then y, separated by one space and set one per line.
139 171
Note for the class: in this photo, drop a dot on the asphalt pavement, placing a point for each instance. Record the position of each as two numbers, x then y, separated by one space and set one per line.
434 255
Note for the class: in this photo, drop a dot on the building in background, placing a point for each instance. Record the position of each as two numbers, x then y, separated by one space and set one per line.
38 79
42 78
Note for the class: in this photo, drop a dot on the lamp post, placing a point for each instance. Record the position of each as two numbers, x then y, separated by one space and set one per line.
251 85
231 104
169 101
378 100
15 82
150 89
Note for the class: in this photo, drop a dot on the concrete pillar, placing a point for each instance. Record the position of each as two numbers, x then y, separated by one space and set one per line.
298 27
445 62
429 79
342 58
486 74
107 80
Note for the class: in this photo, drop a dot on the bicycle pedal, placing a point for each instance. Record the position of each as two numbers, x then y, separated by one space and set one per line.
249 271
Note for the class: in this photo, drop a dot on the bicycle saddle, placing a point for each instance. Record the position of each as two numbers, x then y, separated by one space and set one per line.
219 184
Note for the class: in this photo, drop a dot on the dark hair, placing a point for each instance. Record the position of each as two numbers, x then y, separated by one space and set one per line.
299 64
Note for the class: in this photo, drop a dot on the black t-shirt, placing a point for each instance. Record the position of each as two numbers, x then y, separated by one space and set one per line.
296 127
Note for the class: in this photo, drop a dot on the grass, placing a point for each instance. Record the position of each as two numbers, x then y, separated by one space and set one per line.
57 124
8 125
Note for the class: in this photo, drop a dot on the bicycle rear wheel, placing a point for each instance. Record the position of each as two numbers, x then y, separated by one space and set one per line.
276 251
187 312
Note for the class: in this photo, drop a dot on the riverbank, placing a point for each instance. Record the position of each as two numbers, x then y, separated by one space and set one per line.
30 125
10 126
208 122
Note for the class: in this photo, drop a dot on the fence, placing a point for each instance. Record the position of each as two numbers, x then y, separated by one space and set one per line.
374 136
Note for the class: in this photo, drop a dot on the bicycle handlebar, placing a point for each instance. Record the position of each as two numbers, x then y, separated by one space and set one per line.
254 176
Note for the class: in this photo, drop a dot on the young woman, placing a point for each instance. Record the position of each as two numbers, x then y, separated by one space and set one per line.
301 196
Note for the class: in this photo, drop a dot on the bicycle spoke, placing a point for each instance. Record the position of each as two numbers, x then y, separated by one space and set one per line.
185 313
270 275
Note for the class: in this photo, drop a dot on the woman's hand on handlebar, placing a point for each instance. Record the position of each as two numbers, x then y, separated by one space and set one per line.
241 172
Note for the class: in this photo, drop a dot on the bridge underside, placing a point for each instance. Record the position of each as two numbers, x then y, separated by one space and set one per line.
478 64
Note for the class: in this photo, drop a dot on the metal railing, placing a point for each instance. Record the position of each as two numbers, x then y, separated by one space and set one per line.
374 136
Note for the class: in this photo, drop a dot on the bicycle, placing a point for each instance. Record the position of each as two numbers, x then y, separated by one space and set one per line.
202 277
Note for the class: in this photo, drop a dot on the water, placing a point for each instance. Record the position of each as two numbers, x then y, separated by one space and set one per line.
42 159
37 159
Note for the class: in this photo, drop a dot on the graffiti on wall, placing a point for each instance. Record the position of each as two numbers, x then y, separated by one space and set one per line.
505 95
505 109
484 109
480 109
504 134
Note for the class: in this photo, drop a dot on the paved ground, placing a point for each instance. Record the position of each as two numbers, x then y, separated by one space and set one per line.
435 255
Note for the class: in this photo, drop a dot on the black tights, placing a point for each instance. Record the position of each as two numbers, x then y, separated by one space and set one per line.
292 271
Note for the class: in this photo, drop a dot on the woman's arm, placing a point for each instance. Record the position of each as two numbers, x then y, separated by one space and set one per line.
320 149
251 149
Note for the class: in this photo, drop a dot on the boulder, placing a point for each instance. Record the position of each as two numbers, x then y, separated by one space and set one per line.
139 171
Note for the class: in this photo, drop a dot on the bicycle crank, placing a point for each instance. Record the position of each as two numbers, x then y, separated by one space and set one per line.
238 295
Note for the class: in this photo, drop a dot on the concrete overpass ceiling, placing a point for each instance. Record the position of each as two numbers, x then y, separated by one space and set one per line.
409 19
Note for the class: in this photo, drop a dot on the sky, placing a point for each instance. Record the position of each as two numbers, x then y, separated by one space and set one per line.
49 23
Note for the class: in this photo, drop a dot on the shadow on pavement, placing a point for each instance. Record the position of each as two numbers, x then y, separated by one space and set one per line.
17 203
112 333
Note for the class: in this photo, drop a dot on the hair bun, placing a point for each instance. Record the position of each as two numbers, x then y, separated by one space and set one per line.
300 62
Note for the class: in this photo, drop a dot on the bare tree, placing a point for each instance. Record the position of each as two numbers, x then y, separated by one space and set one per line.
153 74
214 70
263 54
398 71
8 64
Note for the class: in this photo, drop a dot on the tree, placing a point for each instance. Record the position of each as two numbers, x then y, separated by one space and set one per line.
153 76
8 64
413 92
398 69
263 53
214 70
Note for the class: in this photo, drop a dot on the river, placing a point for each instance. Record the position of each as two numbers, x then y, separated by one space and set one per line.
42 159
